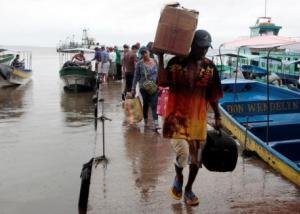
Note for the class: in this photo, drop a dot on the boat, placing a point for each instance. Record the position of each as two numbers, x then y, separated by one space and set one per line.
76 77
283 62
281 59
18 74
6 58
263 117
70 43
253 70
265 124
246 66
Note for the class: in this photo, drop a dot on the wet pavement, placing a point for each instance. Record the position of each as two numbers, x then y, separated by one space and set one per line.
140 171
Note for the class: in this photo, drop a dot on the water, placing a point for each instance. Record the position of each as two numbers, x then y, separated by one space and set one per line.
46 135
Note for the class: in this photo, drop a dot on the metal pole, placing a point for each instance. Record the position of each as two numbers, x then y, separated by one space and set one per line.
268 96
235 78
221 60
103 128
265 8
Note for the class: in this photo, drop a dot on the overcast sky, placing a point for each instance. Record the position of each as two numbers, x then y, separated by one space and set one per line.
115 22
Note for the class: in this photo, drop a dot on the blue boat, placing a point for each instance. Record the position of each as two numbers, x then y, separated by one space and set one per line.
266 120
253 70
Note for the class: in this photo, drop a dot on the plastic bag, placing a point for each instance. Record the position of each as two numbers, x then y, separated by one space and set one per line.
162 101
133 110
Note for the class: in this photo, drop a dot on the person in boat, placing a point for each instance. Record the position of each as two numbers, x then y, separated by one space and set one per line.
194 83
16 63
275 79
79 58
239 74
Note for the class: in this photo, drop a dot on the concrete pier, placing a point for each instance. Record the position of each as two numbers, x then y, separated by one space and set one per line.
140 171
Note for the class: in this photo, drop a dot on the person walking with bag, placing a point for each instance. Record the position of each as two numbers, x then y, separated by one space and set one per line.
146 75
193 84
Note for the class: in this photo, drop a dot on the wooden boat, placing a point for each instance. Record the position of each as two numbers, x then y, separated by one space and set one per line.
266 125
76 77
16 75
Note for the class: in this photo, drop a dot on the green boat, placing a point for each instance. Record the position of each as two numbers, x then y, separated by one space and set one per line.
283 62
6 58
77 78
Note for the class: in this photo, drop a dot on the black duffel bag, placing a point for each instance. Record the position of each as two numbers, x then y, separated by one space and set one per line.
220 152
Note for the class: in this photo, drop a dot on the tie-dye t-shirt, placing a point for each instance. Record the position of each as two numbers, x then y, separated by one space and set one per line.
192 86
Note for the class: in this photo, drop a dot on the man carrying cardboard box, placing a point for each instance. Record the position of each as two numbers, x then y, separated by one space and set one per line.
194 83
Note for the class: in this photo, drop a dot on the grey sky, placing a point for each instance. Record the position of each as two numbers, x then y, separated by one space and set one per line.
115 22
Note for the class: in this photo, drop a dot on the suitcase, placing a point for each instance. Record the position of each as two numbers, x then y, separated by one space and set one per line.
220 152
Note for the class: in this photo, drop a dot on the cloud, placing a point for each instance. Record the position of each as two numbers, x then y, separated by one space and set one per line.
45 22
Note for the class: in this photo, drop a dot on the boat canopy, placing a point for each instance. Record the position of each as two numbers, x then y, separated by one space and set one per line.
249 56
231 55
263 42
244 56
295 47
76 50
291 62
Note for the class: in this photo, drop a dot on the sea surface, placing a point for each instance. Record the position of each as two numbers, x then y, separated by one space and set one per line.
46 134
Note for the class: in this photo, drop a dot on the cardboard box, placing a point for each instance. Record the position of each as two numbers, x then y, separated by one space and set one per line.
175 30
